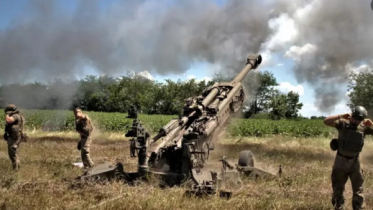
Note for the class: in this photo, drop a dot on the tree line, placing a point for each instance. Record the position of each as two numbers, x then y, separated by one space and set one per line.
117 94
360 90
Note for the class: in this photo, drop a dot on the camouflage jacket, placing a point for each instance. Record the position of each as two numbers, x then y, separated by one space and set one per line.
15 129
84 126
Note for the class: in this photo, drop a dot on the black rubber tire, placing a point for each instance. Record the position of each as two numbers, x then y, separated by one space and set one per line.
246 158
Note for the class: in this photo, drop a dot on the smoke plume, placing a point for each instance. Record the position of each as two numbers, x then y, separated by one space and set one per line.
331 37
161 36
322 37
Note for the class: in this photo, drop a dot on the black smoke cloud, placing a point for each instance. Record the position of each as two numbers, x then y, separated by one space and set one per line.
161 36
332 35
165 37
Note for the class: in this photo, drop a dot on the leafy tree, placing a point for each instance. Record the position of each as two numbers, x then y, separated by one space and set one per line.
262 94
361 90
94 93
293 105
284 105
138 91
317 117
166 99
169 98
109 94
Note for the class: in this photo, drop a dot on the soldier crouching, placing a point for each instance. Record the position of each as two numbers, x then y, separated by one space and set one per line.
84 128
352 129
13 133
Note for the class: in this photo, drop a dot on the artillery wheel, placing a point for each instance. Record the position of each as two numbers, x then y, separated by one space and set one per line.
206 152
193 157
246 158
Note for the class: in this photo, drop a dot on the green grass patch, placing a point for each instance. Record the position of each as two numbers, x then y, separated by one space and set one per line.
57 120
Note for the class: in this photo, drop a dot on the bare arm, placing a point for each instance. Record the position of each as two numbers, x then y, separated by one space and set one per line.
9 119
368 127
330 121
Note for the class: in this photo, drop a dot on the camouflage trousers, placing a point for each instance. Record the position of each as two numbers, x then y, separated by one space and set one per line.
342 170
85 147
13 146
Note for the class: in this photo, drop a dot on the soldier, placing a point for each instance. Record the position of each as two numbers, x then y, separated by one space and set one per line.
13 133
132 112
84 128
352 129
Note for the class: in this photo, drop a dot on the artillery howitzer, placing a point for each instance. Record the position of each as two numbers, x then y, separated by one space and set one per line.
181 148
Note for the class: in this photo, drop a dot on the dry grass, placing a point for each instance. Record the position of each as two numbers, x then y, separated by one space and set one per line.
46 179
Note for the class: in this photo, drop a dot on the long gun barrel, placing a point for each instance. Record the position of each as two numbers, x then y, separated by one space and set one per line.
252 62
204 113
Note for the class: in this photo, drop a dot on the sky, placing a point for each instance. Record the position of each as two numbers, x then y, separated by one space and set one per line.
308 45
284 77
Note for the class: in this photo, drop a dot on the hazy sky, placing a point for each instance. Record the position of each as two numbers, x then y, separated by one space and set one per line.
310 46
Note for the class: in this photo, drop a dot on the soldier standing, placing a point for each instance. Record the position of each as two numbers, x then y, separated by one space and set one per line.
84 128
352 129
13 133
132 112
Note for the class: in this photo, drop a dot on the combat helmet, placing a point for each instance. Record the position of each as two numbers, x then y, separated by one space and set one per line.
10 108
359 113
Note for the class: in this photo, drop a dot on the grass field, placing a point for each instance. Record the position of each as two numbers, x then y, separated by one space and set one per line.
46 179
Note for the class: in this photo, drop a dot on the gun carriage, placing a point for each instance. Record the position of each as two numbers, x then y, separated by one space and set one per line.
181 148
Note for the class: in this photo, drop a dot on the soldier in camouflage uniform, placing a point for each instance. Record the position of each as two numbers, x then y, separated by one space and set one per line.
352 129
132 112
84 128
13 133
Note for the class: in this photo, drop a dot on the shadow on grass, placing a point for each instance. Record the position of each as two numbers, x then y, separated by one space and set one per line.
57 139
60 139
262 150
